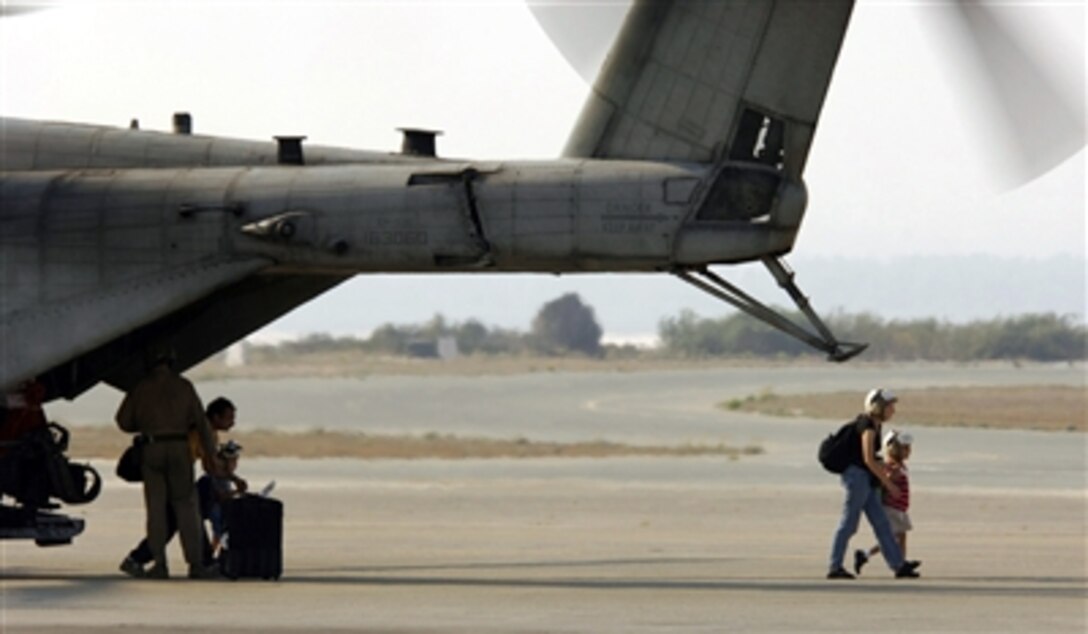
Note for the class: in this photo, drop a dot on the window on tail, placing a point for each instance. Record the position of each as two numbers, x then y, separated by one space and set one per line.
759 138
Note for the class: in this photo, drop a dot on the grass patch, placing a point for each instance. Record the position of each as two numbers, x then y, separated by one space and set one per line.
1034 407
107 442
763 401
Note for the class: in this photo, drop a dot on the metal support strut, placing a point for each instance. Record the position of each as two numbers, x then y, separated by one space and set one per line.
708 281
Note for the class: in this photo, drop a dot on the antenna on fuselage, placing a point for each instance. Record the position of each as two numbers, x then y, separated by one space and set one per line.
418 141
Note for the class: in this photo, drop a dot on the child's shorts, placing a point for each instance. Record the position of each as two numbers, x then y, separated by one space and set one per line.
899 520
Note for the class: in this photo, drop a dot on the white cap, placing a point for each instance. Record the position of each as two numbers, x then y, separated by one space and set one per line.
900 437
879 395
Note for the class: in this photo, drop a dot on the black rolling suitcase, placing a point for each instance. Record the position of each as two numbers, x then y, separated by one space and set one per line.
254 538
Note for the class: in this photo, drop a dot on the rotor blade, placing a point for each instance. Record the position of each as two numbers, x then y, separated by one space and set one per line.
1041 119
11 8
8 12
582 31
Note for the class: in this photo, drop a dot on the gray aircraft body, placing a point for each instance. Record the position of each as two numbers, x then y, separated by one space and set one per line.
689 152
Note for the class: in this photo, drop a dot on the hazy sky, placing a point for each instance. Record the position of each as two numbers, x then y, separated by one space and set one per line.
897 169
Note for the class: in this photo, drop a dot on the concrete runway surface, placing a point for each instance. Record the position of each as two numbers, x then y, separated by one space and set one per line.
607 545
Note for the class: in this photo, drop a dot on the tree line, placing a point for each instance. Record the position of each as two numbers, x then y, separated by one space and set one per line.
562 326
1033 337
567 326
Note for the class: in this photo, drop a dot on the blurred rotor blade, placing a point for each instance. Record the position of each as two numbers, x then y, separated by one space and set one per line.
11 8
7 12
582 31
1041 118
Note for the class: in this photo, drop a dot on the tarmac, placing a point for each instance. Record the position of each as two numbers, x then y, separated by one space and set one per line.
704 544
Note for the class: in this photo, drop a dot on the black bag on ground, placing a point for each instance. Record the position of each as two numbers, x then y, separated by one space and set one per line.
254 538
837 449
129 465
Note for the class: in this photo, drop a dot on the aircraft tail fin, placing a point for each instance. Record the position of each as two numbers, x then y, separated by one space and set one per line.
692 80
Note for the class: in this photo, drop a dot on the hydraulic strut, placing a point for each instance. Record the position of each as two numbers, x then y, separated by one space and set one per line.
708 281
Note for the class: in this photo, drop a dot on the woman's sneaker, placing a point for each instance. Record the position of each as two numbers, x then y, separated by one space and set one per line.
907 570
839 573
132 568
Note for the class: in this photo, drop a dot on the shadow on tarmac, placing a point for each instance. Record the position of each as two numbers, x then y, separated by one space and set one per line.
61 586
1064 588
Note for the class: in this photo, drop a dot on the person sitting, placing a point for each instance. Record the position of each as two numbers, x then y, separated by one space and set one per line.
217 490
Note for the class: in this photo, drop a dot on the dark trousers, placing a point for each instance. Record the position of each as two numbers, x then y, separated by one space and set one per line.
142 553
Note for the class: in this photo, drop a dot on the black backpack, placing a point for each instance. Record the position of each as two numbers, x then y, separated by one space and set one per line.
837 449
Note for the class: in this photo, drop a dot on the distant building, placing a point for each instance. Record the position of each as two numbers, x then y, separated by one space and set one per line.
422 349
235 356
447 348
444 348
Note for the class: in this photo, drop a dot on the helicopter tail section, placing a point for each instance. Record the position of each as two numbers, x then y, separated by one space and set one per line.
690 80
738 87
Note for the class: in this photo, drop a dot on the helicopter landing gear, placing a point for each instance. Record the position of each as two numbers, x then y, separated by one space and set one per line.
708 281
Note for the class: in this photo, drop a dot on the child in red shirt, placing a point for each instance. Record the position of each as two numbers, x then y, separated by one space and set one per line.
897 447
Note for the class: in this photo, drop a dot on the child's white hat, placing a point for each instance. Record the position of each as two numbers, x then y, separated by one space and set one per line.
899 437
230 450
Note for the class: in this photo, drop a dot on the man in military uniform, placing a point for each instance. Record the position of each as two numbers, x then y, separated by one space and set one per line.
221 417
164 407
